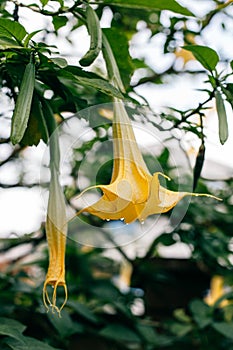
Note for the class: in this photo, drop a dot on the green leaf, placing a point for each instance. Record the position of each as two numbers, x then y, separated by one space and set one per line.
148 333
222 117
84 311
201 313
8 43
205 55
224 328
121 53
180 315
171 5
50 79
59 22
180 329
120 333
44 2
164 156
198 165
95 32
30 36
91 81
12 29
11 328
36 129
164 239
27 343
101 85
59 61
228 92
23 104
105 291
64 324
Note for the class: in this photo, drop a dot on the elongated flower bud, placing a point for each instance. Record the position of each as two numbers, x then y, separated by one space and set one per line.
56 231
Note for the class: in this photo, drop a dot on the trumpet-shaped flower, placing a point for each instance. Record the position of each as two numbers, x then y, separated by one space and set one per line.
217 291
56 231
133 192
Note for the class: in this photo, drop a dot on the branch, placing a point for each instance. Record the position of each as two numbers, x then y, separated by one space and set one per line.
45 12
2 140
208 18
34 238
197 110
6 186
156 76
16 13
117 247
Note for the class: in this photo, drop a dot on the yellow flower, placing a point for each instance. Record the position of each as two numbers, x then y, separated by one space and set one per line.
133 192
56 231
125 275
216 291
185 55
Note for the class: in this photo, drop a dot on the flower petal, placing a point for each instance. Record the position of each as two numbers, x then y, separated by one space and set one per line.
125 146
114 209
161 200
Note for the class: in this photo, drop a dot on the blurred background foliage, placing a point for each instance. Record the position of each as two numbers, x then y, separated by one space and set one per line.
117 300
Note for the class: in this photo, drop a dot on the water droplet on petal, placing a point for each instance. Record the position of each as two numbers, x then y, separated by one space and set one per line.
108 219
122 219
142 222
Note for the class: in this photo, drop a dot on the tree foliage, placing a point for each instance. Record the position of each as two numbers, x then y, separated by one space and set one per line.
41 86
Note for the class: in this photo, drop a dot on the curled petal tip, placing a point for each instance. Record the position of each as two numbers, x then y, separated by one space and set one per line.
206 195
165 176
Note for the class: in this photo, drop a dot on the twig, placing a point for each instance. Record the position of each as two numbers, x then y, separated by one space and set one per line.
16 13
196 110
206 21
117 247
45 12
5 186
2 140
